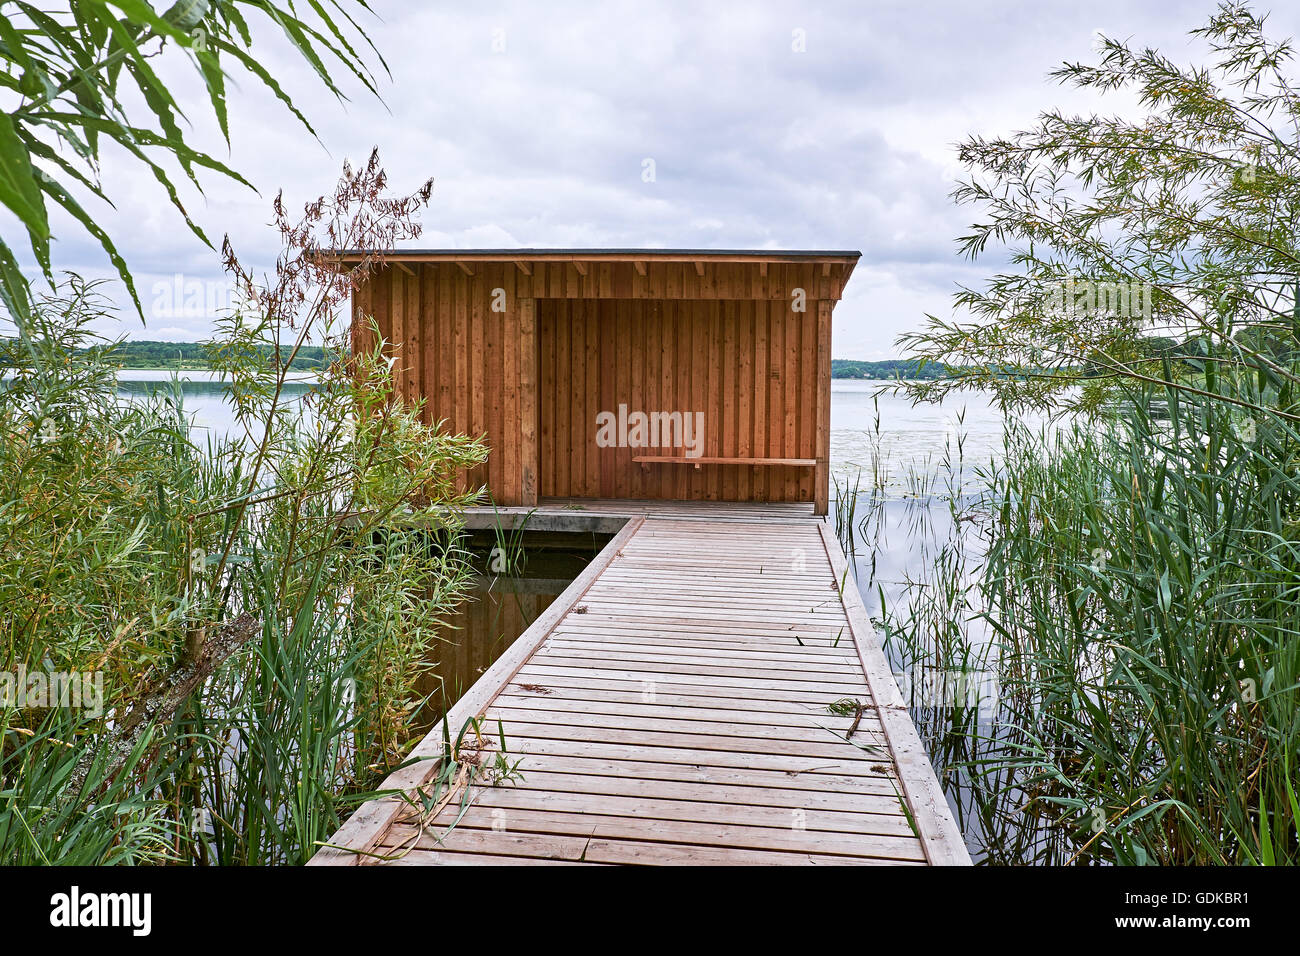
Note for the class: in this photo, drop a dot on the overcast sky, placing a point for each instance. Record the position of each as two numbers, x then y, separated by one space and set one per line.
771 125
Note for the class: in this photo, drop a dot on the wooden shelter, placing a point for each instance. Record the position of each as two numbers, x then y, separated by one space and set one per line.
572 363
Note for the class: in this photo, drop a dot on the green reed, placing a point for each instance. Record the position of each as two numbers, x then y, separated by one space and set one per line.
1130 583
259 637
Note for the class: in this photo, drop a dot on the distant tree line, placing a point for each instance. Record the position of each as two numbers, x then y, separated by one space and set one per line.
1148 347
193 356
891 368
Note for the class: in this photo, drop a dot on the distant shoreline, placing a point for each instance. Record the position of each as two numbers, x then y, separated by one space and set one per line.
834 377
145 356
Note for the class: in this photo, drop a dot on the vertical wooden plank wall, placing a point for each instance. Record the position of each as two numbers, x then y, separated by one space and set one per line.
526 354
528 419
822 473
752 367
475 367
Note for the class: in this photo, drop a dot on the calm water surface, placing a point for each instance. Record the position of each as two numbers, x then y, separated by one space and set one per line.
871 427
210 414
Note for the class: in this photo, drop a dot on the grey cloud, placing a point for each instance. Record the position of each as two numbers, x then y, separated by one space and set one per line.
846 145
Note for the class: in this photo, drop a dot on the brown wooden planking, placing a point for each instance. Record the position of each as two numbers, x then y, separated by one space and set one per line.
528 410
442 319
729 401
743 402
412 347
732 757
431 354
605 392
486 349
691 366
458 318
363 311
821 478
723 341
592 400
546 346
397 325
508 427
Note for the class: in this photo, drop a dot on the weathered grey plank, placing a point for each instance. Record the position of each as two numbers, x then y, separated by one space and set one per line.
674 709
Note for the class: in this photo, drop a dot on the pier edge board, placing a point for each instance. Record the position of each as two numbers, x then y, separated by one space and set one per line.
938 830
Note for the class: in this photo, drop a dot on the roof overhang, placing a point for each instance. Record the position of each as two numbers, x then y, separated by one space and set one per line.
835 264
599 255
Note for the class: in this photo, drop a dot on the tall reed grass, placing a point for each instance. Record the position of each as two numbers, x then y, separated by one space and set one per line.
259 639
1131 584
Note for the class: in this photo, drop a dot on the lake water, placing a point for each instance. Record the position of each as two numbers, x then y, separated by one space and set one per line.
206 407
871 426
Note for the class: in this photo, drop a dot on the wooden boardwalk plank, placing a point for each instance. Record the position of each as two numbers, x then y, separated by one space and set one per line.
828 789
671 707
593 825
544 848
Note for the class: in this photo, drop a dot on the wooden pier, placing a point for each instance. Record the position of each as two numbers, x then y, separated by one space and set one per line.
672 707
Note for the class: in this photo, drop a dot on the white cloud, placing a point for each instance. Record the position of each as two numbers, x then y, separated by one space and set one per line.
846 145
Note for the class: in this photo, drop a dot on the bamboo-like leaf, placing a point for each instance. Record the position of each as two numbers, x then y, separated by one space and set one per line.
214 78
19 190
253 66
68 202
82 73
14 291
